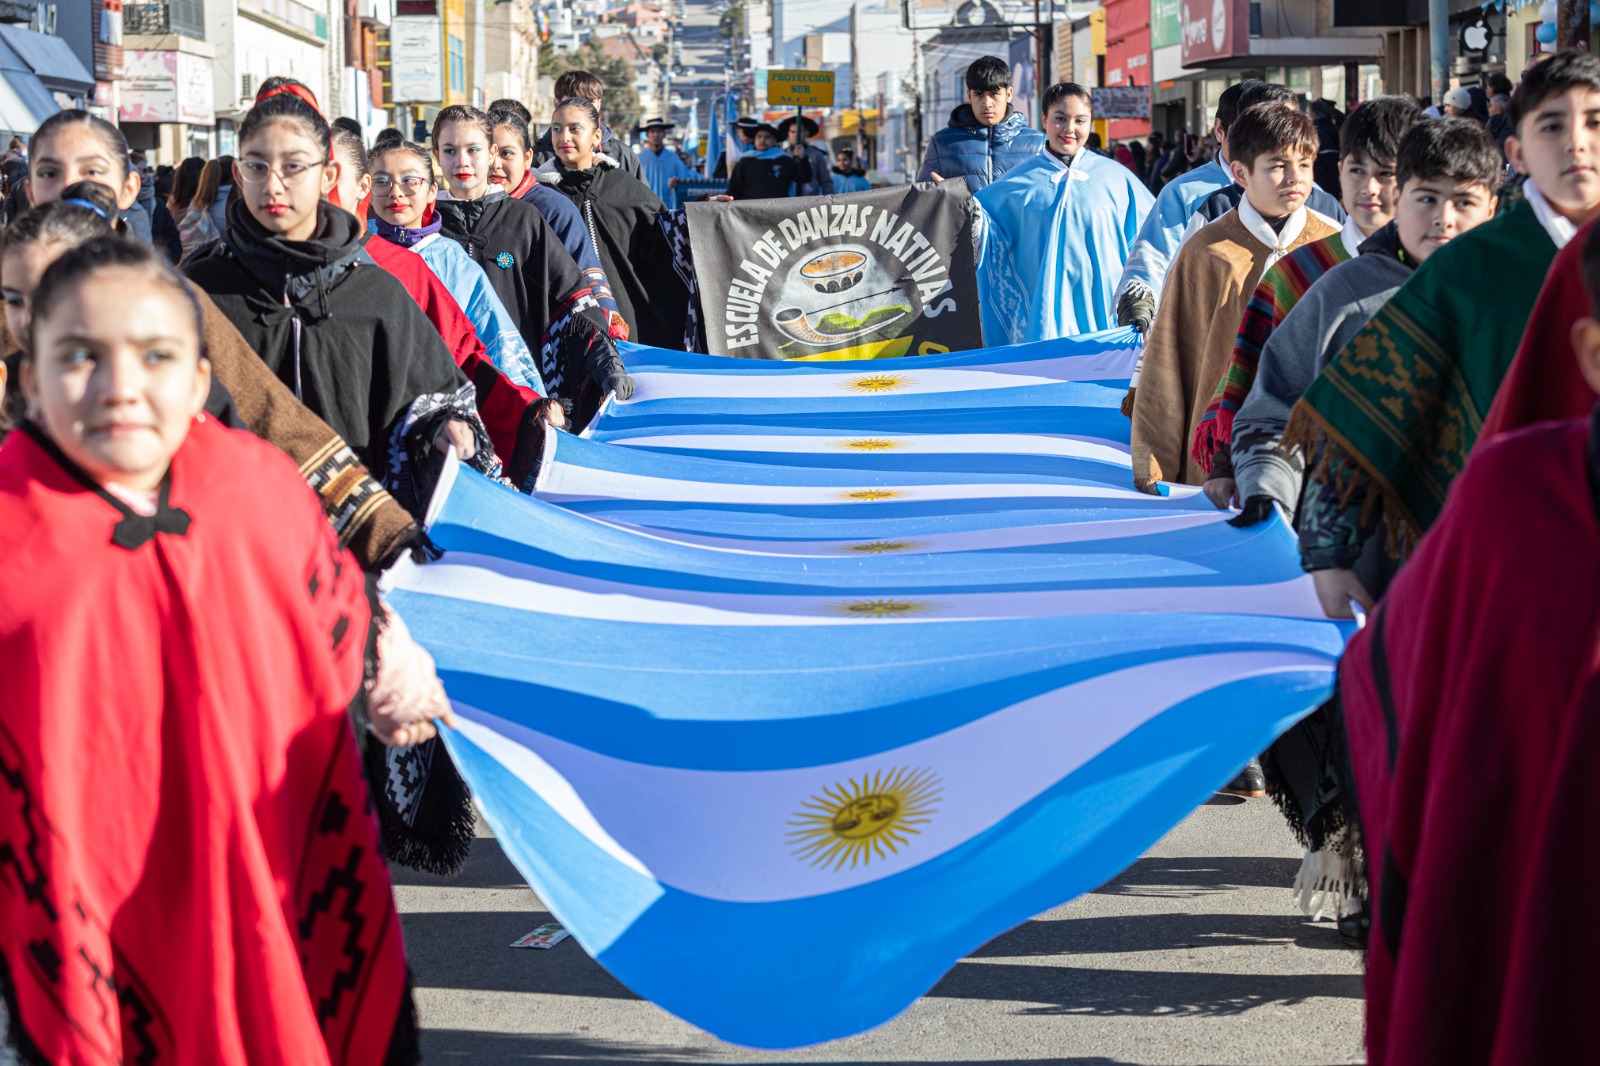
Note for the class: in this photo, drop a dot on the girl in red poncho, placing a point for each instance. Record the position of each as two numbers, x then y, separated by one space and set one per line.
192 868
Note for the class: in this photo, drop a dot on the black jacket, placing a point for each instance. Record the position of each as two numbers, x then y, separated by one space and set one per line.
534 276
621 154
341 332
754 178
623 217
163 228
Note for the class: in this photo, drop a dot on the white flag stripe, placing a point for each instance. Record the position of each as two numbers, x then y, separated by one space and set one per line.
561 482
496 582
542 778
725 835
938 543
872 443
896 381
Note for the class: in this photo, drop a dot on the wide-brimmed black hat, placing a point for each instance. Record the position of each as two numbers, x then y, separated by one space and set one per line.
812 129
745 122
659 123
769 128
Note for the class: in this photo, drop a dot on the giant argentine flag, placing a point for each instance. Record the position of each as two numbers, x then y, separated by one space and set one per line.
833 743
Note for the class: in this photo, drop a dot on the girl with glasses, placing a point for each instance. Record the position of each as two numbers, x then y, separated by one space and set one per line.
455 295
291 275
557 314
75 146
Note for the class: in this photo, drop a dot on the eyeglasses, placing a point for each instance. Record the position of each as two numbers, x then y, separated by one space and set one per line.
254 171
383 183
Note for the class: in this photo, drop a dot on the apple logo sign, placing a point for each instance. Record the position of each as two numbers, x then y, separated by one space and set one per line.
1475 38
1219 23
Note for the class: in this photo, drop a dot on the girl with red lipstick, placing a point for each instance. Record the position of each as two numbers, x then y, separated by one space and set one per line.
1061 227
527 266
75 146
624 220
343 333
513 158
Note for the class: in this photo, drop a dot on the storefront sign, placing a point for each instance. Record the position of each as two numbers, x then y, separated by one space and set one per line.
166 86
416 62
1166 24
1129 101
1214 29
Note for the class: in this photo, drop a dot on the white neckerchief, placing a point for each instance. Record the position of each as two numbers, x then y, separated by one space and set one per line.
1067 167
1352 237
1559 227
1279 243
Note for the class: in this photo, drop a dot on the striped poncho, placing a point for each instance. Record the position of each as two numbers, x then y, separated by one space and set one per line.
1280 289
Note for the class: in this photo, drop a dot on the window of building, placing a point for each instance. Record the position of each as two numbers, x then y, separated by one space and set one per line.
458 64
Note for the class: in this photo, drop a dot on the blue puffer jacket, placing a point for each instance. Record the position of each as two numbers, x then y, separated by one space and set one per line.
980 154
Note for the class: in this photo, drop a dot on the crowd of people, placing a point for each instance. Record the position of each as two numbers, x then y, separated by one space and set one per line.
1322 355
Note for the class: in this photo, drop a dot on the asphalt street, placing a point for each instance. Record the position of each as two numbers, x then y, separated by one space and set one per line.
1194 955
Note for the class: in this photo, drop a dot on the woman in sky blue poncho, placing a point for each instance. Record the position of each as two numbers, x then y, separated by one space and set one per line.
403 190
1059 230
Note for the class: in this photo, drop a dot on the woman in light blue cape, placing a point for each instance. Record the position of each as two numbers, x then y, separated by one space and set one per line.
1058 231
405 215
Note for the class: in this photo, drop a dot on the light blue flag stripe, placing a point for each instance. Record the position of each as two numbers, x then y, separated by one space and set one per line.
513 532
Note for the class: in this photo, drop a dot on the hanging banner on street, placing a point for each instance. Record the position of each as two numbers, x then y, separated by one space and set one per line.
869 275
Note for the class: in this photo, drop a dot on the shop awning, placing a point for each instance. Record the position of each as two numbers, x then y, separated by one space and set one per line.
49 59
24 100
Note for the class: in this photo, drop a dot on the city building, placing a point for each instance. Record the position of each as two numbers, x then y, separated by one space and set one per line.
167 104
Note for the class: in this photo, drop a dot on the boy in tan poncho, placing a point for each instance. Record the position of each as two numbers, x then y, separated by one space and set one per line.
1271 149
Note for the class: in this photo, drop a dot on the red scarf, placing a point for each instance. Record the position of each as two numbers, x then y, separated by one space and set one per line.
1472 706
194 874
528 181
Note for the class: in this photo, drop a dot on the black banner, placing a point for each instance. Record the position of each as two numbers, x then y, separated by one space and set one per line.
867 275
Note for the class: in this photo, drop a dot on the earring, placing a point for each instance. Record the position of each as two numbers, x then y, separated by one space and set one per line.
201 417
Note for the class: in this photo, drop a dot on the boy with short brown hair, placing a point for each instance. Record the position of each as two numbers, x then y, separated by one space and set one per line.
1271 150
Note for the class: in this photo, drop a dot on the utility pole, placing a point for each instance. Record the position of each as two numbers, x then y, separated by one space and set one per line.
1038 54
1439 48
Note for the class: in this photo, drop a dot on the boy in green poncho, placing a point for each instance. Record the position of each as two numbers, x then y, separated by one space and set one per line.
1392 418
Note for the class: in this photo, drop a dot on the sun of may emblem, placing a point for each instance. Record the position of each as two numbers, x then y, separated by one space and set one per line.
881 608
879 547
869 444
876 384
865 818
868 495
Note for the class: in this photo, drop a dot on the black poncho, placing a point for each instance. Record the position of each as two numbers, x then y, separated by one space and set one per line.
346 337
534 276
625 219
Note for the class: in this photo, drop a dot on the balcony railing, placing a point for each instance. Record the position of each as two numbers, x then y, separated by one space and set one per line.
185 17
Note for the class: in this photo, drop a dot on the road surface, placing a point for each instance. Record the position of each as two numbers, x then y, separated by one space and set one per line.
1194 955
